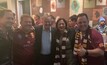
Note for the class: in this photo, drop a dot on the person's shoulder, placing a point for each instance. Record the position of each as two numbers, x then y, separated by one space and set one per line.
17 30
38 27
53 29
71 30
94 32
96 26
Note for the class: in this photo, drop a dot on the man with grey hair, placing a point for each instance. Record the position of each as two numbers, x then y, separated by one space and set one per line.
43 43
6 22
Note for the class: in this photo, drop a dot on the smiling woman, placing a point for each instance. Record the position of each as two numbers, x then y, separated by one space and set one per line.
63 44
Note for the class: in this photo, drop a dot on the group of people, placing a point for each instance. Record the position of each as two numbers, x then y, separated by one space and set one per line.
62 44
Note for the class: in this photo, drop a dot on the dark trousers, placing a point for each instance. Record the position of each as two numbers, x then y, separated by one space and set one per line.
44 60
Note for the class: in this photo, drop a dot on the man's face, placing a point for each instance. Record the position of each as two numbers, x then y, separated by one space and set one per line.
47 23
26 23
8 19
82 23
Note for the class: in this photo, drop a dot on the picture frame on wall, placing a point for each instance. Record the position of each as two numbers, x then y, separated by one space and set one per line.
3 4
105 11
89 3
53 5
60 3
38 3
76 7
101 2
97 13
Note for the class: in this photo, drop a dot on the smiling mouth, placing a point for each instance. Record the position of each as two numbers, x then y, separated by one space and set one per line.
61 28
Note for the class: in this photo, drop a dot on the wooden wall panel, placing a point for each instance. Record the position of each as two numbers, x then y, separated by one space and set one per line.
62 12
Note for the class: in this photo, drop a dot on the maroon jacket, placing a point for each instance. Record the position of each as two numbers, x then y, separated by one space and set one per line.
23 47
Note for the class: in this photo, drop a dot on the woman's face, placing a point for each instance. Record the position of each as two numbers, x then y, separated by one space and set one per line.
61 25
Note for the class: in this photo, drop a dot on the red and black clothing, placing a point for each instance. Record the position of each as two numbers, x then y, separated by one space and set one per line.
91 40
23 47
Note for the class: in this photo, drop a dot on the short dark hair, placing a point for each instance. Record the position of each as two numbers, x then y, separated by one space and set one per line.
73 18
82 14
25 15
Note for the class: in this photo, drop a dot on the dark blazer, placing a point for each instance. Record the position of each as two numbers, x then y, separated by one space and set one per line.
38 42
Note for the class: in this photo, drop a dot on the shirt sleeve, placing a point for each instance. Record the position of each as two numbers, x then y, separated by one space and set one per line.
97 40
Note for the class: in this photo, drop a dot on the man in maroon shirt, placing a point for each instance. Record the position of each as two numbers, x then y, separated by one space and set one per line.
23 46
89 46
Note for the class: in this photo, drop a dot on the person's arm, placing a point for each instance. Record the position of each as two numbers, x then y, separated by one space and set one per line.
97 43
95 52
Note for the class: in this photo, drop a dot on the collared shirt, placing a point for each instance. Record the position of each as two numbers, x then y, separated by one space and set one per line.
46 42
96 42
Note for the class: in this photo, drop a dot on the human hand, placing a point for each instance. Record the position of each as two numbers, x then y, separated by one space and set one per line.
81 51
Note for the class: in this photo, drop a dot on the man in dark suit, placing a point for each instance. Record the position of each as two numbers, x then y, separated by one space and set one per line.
43 43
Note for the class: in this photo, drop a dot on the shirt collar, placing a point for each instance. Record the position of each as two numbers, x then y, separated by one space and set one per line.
48 30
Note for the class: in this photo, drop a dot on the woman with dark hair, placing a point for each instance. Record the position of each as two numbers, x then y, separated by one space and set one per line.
63 43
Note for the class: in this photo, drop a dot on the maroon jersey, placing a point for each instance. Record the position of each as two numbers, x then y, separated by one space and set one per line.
91 40
23 47
97 42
